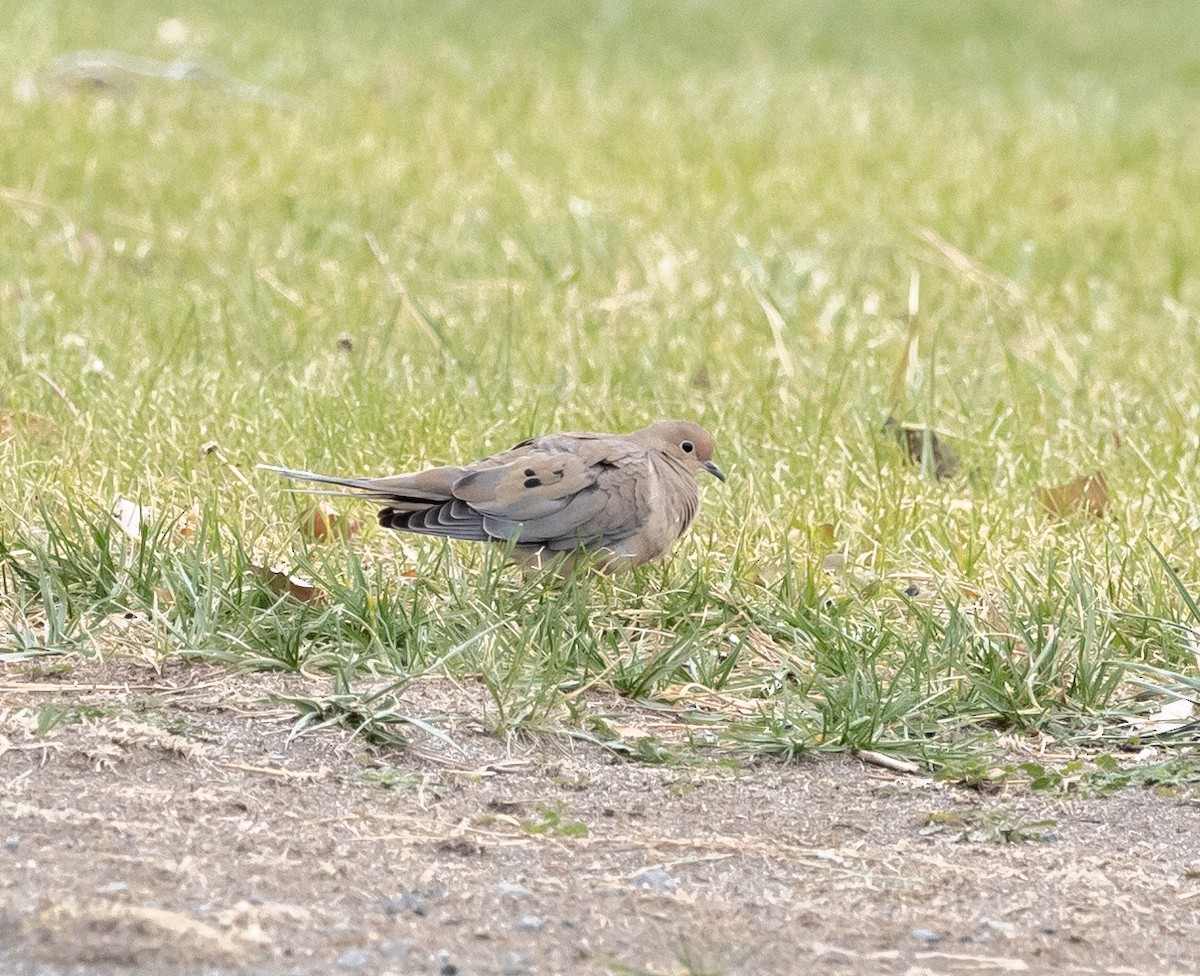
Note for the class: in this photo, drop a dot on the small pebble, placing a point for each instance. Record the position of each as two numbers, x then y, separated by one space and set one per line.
515 964
925 935
405 903
392 948
996 925
531 923
12 844
353 959
506 889
654 879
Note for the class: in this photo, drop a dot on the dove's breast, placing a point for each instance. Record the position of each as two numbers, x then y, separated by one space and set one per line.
660 503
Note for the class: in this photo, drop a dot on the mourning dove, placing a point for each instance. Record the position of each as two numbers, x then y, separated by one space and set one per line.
626 497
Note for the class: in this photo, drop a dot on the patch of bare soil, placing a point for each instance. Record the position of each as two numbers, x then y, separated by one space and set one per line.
174 829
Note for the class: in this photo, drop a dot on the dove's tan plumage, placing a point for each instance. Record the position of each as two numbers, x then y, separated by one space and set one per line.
625 496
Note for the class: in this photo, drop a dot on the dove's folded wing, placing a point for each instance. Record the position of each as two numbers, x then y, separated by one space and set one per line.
555 492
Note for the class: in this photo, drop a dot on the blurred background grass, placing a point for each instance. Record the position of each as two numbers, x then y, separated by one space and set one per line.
527 216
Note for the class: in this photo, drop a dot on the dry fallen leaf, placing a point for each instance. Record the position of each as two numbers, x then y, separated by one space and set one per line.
1088 493
283 583
124 621
31 425
189 522
322 523
1173 716
824 535
912 439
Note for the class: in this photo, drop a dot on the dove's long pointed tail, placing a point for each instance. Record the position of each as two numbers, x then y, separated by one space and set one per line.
399 490
295 474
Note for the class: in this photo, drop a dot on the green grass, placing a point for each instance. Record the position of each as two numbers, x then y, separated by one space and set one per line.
537 216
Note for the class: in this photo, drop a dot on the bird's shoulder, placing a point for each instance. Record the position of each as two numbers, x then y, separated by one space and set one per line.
590 448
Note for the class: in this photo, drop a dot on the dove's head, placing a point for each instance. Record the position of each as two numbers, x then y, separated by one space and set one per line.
687 445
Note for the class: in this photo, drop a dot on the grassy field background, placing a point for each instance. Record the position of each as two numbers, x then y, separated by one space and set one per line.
364 237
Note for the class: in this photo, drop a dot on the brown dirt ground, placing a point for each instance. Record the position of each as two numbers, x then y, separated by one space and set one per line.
219 847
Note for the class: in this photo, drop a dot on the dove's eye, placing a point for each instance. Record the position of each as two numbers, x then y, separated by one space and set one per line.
687 447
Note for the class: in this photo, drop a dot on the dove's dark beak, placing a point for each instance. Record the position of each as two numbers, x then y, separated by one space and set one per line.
711 468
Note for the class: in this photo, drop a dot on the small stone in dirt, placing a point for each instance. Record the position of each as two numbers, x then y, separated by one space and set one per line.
352 959
996 925
395 947
515 964
507 889
531 923
463 846
448 968
405 903
654 879
12 844
925 935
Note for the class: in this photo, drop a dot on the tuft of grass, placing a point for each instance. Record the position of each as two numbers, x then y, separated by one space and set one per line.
373 714
550 820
